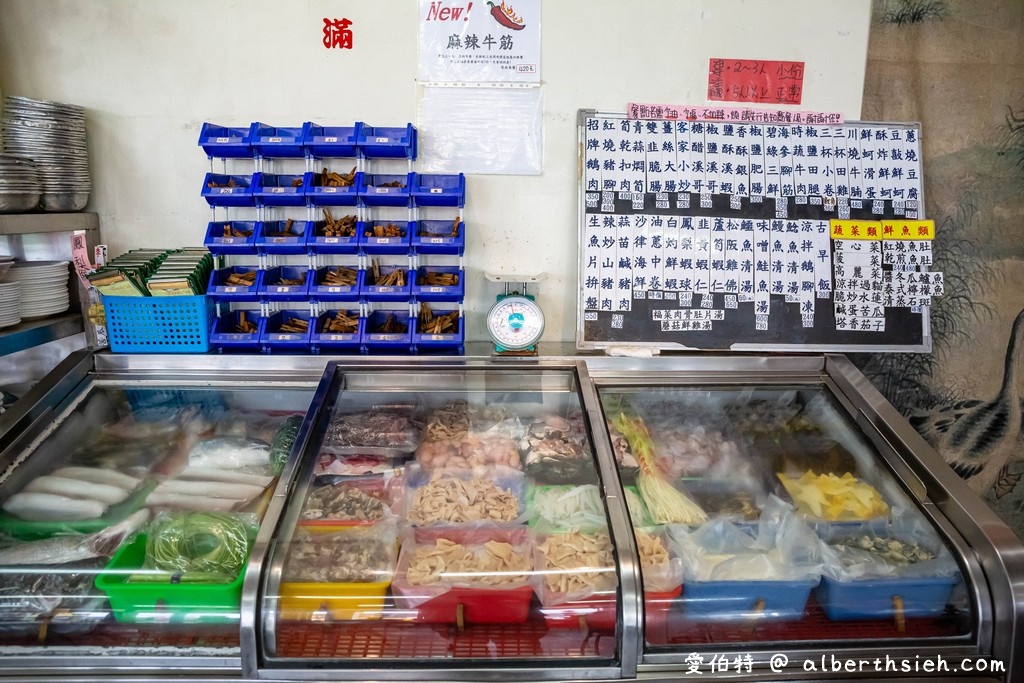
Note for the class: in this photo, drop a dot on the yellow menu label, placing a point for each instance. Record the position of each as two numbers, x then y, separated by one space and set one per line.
853 229
893 229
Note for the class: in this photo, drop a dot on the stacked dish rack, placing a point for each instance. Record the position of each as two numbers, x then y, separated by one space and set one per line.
298 211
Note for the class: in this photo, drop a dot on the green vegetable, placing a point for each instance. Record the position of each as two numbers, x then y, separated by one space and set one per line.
283 441
213 544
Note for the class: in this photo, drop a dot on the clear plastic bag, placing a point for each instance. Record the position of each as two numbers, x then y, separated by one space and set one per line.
783 549
567 506
200 546
573 565
436 560
900 551
487 495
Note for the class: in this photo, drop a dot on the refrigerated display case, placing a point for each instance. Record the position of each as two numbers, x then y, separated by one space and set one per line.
475 518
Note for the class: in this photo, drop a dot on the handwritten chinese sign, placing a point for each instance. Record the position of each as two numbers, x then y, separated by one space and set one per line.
676 112
760 81
700 232
337 34
479 42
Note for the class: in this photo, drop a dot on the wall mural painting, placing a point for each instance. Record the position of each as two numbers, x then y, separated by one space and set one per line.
926 60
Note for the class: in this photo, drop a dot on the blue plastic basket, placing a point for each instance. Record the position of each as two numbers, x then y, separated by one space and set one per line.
431 189
224 142
384 245
274 142
373 190
158 324
218 244
217 193
378 142
318 195
331 141
272 237
424 292
435 237
272 189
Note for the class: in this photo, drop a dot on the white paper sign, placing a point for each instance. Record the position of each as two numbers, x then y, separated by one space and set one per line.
472 41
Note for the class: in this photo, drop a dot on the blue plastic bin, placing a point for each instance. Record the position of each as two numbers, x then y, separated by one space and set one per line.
278 237
337 341
158 324
218 288
744 600
318 195
373 292
874 598
273 189
224 334
216 192
391 342
453 342
372 190
376 142
276 143
424 292
319 243
271 288
273 339
320 291
431 189
331 141
218 244
223 142
385 245
435 237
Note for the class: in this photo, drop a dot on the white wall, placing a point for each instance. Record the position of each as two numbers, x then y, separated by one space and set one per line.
151 72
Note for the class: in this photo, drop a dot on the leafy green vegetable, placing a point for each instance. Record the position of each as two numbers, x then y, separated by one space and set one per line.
283 441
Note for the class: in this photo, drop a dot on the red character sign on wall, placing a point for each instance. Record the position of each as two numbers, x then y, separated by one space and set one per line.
337 33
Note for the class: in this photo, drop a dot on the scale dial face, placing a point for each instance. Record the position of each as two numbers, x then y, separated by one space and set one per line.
515 323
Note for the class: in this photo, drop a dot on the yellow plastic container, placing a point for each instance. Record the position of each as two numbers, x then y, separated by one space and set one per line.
342 601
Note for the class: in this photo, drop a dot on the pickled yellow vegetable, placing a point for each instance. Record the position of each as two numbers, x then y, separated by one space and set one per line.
835 498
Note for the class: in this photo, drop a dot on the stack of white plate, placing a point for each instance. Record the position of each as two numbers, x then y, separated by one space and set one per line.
53 135
43 286
10 304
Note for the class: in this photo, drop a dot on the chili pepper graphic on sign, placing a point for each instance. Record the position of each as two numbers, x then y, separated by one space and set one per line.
506 17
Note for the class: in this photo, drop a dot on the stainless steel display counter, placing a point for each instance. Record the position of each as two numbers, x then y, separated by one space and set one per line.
477 518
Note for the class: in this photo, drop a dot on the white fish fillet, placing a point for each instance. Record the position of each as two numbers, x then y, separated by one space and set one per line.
63 549
99 475
229 453
229 476
183 501
47 507
72 488
213 489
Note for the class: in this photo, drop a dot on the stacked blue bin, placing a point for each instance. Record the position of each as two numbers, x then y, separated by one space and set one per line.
286 291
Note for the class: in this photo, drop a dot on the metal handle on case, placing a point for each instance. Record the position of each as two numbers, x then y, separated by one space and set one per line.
900 468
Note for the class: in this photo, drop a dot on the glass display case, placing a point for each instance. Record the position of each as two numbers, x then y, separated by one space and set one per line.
573 517
445 518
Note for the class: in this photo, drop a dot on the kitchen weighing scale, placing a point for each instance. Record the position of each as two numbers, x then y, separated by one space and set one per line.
515 322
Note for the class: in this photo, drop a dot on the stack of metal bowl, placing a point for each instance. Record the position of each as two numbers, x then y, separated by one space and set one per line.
52 134
20 187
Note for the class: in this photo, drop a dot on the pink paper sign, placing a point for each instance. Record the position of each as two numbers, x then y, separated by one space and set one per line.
755 80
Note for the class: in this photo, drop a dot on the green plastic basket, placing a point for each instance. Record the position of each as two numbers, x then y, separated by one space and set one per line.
179 603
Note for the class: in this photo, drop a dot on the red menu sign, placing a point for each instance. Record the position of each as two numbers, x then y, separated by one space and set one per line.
754 80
